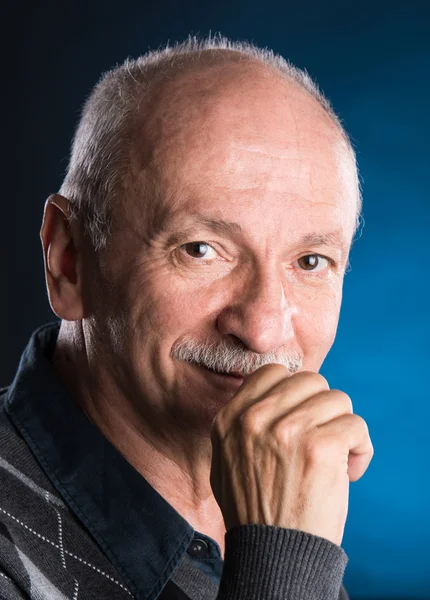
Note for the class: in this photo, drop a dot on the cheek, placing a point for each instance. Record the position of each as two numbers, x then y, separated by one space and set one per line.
316 324
163 306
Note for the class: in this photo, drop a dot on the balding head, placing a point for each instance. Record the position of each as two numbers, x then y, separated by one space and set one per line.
134 100
202 124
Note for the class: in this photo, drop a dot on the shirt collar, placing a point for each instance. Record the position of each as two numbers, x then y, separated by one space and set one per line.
114 502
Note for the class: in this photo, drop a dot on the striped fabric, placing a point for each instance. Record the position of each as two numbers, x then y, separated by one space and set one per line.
45 553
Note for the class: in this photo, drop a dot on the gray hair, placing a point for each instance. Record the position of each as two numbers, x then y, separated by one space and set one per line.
232 357
101 150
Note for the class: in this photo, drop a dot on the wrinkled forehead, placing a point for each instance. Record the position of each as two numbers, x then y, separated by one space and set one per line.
204 106
226 132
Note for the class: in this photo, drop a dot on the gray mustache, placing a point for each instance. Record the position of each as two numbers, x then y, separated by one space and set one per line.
225 357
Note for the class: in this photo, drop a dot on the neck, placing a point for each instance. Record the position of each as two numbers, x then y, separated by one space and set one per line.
175 462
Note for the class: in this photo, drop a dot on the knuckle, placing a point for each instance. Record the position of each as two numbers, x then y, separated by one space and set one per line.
316 379
360 423
286 430
319 448
253 420
321 380
343 399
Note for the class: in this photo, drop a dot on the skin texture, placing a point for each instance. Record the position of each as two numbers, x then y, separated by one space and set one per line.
284 451
233 143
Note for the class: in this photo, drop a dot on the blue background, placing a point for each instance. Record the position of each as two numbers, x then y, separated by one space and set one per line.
373 61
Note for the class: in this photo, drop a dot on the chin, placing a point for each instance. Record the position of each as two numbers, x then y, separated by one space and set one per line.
201 396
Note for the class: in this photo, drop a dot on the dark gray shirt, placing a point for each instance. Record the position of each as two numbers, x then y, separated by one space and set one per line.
78 521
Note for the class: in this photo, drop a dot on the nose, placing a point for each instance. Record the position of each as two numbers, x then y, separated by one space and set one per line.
261 315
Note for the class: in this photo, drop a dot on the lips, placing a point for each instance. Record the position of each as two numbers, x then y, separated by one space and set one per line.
236 374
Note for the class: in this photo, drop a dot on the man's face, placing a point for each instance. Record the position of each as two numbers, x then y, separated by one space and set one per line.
243 242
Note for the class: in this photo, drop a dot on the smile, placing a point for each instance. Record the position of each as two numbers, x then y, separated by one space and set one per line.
233 377
234 374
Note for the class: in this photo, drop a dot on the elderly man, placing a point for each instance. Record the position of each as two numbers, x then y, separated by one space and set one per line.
171 437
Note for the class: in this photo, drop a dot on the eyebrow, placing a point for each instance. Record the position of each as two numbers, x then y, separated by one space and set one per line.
230 228
218 226
334 238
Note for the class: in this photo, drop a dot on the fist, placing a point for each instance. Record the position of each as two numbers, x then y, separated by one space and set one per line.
284 451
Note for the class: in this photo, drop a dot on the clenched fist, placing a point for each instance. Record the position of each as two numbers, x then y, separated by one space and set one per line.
284 451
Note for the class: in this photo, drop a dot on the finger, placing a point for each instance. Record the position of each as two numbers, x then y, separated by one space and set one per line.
255 385
358 464
275 390
348 435
317 410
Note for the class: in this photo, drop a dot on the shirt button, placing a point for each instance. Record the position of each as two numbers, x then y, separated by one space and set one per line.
198 548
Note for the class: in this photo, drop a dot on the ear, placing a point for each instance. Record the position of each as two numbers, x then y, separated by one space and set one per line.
62 256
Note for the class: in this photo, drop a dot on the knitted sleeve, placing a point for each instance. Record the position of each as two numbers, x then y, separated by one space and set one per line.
271 563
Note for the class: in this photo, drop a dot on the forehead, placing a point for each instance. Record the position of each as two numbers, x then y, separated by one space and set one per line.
242 140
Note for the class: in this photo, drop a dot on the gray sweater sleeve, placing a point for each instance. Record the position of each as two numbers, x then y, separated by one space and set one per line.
271 563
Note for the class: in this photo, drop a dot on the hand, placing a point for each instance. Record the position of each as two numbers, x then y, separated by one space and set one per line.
284 451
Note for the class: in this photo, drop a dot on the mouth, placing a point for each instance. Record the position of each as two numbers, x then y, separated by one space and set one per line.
233 376
236 374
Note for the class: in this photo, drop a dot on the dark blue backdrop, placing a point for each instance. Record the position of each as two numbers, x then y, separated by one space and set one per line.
372 60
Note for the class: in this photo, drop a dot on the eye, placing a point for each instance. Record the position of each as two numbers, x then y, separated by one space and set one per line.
199 250
313 262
